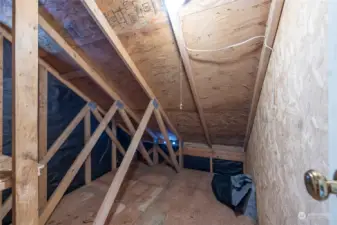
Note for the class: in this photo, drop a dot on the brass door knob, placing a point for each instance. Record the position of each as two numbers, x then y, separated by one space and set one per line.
318 186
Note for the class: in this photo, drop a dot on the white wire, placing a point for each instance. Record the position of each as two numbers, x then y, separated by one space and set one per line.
228 47
224 48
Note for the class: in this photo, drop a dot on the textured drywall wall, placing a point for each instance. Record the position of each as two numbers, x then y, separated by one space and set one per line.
290 133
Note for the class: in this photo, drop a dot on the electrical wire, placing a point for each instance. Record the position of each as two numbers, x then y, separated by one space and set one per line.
223 48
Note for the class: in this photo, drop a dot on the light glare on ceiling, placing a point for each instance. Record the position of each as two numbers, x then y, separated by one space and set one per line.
173 5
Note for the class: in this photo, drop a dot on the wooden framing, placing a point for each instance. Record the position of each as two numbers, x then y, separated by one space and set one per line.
166 158
6 207
55 198
1 102
177 31
132 130
181 154
25 112
61 189
232 153
271 30
95 76
166 138
110 132
43 124
155 153
113 146
65 134
87 134
110 34
26 167
109 199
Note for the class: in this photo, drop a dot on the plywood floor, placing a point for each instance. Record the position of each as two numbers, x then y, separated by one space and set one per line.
150 196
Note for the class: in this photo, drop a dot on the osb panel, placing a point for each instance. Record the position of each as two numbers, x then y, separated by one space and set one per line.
225 79
156 56
116 74
290 133
188 124
144 30
227 128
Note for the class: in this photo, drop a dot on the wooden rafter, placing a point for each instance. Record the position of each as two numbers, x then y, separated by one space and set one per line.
110 197
232 153
94 75
271 30
181 153
166 138
25 112
155 153
112 37
114 146
6 207
178 33
165 157
43 125
87 134
132 130
1 100
67 179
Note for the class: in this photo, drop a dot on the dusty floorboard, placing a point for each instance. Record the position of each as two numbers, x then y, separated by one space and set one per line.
150 196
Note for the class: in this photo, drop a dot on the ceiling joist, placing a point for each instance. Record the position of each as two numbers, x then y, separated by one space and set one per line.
112 37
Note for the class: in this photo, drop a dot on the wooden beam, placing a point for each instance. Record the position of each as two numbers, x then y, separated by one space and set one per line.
166 138
87 134
67 179
166 158
25 112
5 180
6 207
1 102
238 156
65 134
132 130
178 33
112 37
109 199
43 125
110 133
211 164
95 76
73 75
113 147
155 154
181 154
275 12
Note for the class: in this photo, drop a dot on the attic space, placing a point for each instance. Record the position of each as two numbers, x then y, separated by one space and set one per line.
147 112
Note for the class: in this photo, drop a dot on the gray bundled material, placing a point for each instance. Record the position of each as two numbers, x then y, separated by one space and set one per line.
243 189
237 192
